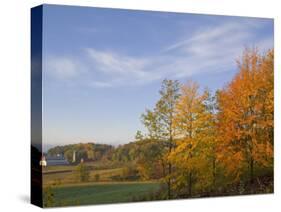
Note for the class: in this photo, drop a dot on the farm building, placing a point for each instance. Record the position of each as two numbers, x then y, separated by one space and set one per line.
43 161
53 160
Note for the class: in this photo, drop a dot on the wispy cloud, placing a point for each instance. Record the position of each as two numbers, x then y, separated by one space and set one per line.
100 84
62 68
209 49
117 64
217 33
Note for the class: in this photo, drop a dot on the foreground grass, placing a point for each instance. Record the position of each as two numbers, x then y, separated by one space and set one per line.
100 193
66 190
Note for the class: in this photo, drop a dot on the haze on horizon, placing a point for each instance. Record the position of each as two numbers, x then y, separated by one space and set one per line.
103 67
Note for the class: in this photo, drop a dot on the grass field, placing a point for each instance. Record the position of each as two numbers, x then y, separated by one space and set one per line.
67 190
100 193
69 177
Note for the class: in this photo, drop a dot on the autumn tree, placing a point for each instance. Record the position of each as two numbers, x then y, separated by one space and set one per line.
193 132
151 120
151 163
246 116
159 121
209 133
139 136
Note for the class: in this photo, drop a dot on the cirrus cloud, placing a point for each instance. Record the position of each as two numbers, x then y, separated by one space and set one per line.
209 49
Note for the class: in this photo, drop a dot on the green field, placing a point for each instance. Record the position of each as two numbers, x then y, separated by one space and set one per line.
111 186
100 193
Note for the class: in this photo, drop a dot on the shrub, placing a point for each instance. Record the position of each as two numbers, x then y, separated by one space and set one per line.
83 173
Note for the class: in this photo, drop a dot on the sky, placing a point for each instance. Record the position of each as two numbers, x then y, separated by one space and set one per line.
103 67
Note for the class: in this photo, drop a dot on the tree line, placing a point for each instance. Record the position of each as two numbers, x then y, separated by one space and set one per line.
83 151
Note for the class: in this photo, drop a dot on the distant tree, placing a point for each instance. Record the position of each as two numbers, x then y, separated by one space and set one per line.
83 172
87 151
68 154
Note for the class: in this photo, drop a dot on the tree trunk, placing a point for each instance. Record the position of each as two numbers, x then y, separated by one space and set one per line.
169 172
214 172
169 181
251 170
251 162
163 168
190 184
170 150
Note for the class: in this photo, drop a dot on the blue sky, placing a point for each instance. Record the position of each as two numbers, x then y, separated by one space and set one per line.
103 67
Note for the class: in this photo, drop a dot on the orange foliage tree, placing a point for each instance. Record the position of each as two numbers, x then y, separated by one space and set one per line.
245 117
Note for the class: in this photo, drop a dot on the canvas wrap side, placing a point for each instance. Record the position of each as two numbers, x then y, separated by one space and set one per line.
36 105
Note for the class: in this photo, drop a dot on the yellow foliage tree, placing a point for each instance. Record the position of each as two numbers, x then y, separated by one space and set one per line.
194 128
